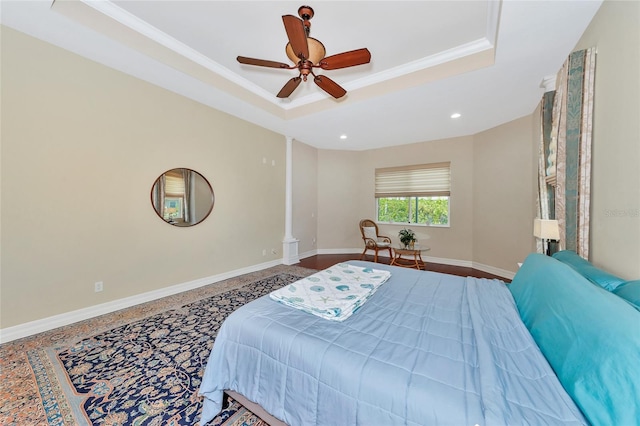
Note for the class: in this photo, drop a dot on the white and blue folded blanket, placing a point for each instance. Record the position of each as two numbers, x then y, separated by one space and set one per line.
334 293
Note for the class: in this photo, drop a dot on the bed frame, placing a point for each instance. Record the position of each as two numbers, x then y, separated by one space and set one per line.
255 409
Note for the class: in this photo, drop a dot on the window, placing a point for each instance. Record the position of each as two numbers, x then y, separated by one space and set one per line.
174 196
172 208
414 194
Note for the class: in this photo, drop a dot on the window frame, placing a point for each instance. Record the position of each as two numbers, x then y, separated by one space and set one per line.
412 183
179 199
434 225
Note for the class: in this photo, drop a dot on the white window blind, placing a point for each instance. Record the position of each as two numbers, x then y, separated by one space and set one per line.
425 180
174 184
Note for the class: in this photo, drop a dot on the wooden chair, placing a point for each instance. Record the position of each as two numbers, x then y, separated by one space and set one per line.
372 240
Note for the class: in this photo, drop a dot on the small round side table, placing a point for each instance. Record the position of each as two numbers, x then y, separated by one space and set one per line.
415 252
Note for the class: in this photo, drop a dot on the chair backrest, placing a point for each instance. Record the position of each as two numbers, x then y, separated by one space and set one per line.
367 223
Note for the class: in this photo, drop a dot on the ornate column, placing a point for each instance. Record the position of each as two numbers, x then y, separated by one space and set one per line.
289 244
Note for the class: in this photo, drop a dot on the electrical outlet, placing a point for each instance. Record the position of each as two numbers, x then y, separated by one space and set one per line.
98 286
264 252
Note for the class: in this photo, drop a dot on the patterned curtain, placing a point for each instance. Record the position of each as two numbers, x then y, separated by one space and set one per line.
186 200
158 195
546 196
569 161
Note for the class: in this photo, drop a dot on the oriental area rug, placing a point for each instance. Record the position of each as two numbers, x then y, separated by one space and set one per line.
140 366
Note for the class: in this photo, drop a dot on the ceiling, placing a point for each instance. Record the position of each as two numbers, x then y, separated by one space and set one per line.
485 60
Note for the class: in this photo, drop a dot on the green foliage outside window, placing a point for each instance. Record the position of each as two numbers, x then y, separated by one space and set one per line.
423 210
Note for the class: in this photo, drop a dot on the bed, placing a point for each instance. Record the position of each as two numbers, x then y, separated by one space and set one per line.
425 348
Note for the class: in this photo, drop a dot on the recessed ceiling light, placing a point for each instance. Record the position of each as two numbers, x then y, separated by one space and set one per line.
343 136
456 115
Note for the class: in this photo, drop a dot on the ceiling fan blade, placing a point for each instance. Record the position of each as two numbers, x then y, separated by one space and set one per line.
297 36
288 88
346 59
261 62
329 86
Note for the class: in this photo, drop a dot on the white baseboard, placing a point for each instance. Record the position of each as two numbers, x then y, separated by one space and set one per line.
27 329
308 254
450 262
340 251
430 259
493 270
30 328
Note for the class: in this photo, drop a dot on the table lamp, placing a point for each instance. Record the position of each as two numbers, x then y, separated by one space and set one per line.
546 229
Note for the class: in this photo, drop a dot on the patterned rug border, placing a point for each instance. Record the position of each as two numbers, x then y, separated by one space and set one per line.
38 351
54 407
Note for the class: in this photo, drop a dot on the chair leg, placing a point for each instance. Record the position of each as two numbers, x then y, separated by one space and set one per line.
390 254
375 257
363 252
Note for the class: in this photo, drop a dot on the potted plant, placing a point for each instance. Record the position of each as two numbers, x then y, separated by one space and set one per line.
407 237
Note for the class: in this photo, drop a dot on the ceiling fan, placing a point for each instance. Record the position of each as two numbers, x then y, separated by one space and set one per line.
308 53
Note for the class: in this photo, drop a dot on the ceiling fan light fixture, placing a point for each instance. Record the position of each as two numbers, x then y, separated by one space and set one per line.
316 51
307 53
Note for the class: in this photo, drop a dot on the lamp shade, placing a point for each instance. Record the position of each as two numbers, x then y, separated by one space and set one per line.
316 51
546 229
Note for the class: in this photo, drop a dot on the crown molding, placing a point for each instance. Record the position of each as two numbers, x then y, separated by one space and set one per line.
186 54
115 12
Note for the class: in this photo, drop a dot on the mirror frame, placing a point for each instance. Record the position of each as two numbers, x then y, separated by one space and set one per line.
160 214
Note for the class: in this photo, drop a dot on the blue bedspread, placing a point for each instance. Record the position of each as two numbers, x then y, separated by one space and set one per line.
426 348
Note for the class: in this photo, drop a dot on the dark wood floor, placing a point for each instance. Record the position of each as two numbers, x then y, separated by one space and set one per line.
324 261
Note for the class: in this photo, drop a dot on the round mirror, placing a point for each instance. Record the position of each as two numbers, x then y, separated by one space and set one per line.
182 197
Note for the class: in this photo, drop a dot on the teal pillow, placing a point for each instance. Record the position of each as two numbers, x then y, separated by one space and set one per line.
589 336
630 291
586 269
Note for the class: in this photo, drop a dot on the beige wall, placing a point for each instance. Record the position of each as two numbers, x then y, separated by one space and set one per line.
502 194
510 150
615 207
82 145
340 199
492 195
454 242
346 195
